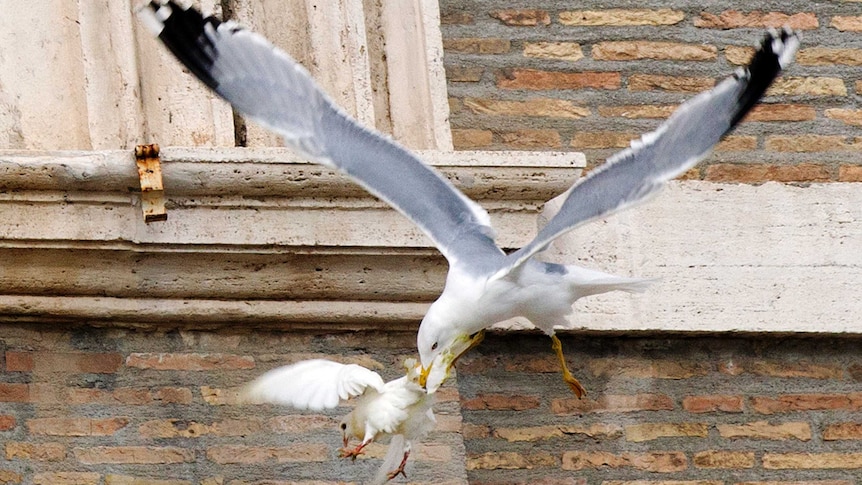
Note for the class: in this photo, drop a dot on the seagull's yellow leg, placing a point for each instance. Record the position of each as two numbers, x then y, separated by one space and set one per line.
576 386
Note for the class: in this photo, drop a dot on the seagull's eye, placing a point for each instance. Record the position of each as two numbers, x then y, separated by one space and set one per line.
434 347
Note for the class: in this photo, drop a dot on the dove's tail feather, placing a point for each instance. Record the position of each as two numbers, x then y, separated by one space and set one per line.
398 445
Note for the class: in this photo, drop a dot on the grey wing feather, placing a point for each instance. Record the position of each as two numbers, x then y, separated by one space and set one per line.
265 84
678 144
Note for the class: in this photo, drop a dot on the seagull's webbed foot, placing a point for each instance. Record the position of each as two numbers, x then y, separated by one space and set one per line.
355 452
400 470
573 383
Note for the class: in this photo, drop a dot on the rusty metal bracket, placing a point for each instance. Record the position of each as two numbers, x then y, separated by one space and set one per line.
152 189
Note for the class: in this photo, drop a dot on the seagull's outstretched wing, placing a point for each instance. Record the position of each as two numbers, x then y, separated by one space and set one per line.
265 84
677 145
312 384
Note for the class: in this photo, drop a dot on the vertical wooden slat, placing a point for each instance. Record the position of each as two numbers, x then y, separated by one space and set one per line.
417 82
41 77
115 116
179 109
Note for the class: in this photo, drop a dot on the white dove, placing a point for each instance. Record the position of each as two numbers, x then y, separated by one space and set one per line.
484 284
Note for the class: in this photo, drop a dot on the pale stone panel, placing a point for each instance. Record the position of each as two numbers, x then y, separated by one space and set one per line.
111 73
179 109
42 90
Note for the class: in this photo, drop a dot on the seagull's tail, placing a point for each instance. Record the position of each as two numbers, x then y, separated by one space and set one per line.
397 447
586 282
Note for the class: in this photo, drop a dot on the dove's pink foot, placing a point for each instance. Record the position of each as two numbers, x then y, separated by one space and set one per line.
400 470
345 453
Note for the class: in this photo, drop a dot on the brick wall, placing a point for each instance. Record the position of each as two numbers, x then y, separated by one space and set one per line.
590 76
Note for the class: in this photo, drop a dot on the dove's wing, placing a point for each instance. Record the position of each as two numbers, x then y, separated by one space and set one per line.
312 384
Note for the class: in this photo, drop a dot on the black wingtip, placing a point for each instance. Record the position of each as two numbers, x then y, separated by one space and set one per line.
775 52
184 31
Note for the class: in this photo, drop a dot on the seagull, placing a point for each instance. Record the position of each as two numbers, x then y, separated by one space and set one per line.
400 409
484 285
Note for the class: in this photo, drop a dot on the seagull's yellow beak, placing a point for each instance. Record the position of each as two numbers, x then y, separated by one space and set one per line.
449 356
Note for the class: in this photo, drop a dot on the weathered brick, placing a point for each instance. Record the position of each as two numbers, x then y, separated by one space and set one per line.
67 362
522 17
128 480
632 50
713 403
602 139
810 461
189 362
683 84
827 56
232 454
637 111
647 368
732 19
449 423
782 112
175 428
765 431
851 117
847 23
532 139
538 433
758 172
798 482
464 74
147 455
622 17
737 143
66 478
544 107
466 139
475 431
738 55
796 369
16 450
806 402
129 396
534 79
565 51
843 431
723 459
429 452
850 173
651 431
475 45
807 86
509 460
656 462
858 85
456 17
11 392
613 403
9 477
7 422
300 423
663 482
76 426
807 143
500 402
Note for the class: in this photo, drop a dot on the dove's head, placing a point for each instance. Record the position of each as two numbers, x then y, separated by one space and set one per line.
350 428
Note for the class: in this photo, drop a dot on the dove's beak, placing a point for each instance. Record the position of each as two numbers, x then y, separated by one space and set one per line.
451 355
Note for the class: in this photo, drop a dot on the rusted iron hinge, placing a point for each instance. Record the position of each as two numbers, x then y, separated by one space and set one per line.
152 190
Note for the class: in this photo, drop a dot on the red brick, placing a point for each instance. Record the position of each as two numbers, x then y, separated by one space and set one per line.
807 402
781 112
501 402
67 362
850 173
189 362
634 50
724 459
533 79
147 455
732 19
522 17
656 462
7 422
843 431
613 403
239 454
680 84
35 451
76 426
758 173
475 431
713 403
10 392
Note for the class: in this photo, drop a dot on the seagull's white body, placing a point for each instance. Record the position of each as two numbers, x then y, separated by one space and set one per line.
399 409
484 285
